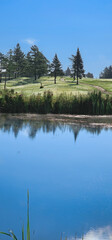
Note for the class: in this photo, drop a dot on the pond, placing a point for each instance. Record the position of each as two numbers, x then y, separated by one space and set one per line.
68 171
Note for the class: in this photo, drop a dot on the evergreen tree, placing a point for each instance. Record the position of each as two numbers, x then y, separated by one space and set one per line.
77 66
107 73
28 66
37 62
56 68
9 63
1 65
89 75
19 60
73 70
68 72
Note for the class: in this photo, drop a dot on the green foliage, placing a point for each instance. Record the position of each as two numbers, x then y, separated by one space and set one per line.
23 232
56 68
17 64
77 66
93 103
37 64
68 72
89 75
19 60
107 73
10 64
10 234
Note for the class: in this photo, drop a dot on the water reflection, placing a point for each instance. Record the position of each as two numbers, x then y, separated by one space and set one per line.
70 185
34 126
98 234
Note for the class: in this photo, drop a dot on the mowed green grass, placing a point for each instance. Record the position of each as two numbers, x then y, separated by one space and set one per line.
104 83
67 85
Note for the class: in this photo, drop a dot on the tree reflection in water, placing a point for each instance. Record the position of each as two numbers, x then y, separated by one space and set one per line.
8 124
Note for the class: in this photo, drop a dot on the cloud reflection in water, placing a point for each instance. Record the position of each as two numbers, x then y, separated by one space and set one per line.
98 234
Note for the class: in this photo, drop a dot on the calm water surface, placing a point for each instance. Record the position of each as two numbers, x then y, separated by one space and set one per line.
68 171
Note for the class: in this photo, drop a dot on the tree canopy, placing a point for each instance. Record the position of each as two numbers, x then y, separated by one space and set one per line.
37 63
56 68
107 72
68 72
77 66
89 75
34 63
18 60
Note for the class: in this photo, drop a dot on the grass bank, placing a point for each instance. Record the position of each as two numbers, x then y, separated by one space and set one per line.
92 104
28 86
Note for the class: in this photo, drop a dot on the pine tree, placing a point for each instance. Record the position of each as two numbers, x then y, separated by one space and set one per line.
77 66
89 75
19 60
107 73
68 72
10 66
1 59
38 62
28 66
73 70
56 68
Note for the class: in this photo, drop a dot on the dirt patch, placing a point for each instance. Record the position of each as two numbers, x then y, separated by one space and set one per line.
62 79
102 90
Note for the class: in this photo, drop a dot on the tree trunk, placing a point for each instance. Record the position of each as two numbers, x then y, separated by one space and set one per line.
0 77
9 76
55 78
77 80
15 75
35 77
35 73
77 77
5 82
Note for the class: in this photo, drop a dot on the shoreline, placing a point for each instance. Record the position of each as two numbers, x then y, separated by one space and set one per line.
83 120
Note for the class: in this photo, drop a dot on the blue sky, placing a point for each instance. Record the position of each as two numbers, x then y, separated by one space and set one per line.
60 26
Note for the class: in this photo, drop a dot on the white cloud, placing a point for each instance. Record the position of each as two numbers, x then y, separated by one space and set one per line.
30 41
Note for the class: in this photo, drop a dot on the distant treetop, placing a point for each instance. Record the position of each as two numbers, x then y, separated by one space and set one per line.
89 75
107 72
68 72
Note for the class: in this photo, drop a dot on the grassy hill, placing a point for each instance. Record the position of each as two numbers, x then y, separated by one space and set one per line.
64 84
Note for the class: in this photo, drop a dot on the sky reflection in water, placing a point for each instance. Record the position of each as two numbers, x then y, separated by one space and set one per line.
68 170
99 234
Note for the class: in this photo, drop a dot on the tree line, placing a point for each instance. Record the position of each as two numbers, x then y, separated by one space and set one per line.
35 64
107 73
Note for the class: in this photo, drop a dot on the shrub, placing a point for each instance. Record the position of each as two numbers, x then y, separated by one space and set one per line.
93 103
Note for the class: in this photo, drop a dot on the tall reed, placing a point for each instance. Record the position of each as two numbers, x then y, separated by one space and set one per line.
11 233
94 103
